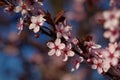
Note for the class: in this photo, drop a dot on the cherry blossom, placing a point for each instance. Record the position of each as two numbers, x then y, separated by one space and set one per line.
97 64
111 54
111 19
56 47
22 7
63 30
67 52
20 25
76 63
37 21
112 35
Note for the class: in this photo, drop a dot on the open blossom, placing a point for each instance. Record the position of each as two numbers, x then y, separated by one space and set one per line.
97 64
112 35
20 25
111 19
56 47
111 54
67 52
63 30
22 7
101 65
37 21
76 63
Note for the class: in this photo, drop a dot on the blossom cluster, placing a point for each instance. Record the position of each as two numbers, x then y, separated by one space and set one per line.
112 24
64 44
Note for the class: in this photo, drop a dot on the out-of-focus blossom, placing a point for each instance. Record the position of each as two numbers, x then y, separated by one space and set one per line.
13 37
111 54
56 47
76 63
67 52
11 50
111 19
112 35
37 21
63 30
22 7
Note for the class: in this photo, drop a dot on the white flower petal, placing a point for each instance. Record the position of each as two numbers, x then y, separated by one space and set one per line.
59 35
50 45
66 58
33 19
71 53
77 65
72 69
65 36
24 12
51 52
17 9
117 54
61 46
94 67
57 41
100 70
36 29
58 52
67 28
114 61
96 46
32 26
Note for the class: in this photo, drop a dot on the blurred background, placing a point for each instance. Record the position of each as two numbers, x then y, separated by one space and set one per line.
23 57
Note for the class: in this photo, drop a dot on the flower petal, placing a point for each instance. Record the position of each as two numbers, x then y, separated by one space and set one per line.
50 45
17 9
57 41
71 53
36 29
58 52
32 26
51 52
66 58
61 46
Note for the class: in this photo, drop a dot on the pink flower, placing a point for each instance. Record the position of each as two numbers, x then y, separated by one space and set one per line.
112 35
111 19
98 64
56 47
63 30
76 63
22 7
20 25
111 54
67 52
36 23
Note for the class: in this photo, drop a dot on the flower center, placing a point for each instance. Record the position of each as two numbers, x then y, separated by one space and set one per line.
37 23
56 47
111 56
112 16
23 6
